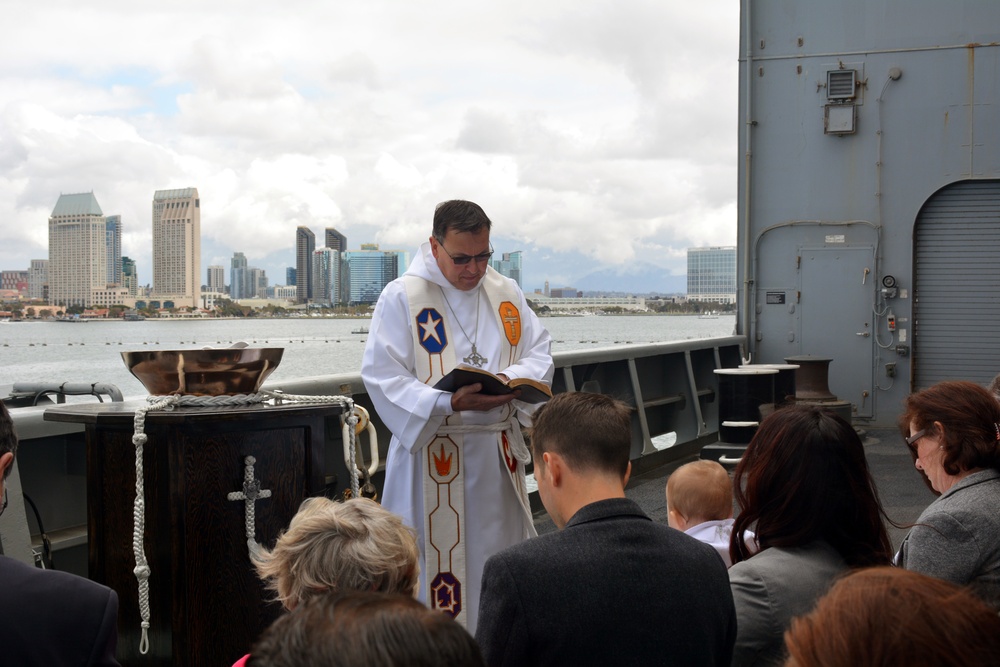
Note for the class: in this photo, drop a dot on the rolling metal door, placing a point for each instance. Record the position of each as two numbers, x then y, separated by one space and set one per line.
956 272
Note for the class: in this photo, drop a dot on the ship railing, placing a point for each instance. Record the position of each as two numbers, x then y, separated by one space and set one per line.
672 386
39 393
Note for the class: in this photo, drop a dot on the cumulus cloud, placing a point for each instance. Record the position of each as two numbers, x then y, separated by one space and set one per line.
595 134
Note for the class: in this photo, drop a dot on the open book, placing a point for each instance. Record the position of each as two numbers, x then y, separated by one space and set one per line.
532 391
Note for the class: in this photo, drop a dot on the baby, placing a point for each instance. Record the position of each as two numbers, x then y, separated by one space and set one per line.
700 503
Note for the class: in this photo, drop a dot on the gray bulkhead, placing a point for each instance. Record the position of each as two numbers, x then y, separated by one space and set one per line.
869 193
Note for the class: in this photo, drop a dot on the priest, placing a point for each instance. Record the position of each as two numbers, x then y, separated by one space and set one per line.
455 469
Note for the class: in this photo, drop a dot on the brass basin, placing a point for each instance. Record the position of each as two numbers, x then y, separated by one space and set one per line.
210 372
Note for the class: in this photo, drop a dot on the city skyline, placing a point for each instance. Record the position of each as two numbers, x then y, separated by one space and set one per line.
256 281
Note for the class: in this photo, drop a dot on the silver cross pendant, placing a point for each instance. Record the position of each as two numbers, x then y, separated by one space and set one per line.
475 359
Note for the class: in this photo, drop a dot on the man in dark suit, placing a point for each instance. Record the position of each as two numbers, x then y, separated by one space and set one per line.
611 587
47 617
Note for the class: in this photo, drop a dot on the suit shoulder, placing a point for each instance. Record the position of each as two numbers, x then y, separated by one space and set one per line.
60 585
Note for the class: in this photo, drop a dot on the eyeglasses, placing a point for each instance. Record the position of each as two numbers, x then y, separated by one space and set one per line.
4 506
462 260
916 436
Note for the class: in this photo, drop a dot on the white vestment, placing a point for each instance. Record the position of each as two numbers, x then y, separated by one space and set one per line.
414 412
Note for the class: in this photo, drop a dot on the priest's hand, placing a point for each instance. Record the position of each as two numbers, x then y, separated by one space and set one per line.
470 398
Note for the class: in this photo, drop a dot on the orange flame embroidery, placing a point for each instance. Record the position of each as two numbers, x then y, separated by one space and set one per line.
442 463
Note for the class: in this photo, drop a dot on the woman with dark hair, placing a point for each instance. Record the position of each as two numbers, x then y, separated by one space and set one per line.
804 488
364 628
885 616
953 432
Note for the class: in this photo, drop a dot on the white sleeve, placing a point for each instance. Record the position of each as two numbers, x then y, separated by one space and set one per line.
412 410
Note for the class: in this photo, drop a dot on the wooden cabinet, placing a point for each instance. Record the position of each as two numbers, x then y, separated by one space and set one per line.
207 603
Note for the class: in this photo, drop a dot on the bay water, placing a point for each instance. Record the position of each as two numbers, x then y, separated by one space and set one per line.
88 352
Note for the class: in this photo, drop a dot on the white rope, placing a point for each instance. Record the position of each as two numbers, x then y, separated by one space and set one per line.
249 495
518 448
142 570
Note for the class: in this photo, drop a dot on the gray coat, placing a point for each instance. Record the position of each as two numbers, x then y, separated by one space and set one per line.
957 538
611 588
773 587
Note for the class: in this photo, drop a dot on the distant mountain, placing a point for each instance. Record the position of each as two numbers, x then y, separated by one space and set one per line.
638 278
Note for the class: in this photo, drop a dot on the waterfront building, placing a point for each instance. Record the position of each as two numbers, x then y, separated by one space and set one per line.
509 265
369 270
590 304
113 240
305 244
564 293
239 278
258 283
14 280
77 250
326 277
711 274
177 247
285 292
216 279
209 299
130 276
38 279
112 295
335 240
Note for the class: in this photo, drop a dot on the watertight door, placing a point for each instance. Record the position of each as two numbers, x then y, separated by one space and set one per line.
835 318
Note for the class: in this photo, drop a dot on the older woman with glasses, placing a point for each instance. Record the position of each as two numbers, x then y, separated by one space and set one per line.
953 432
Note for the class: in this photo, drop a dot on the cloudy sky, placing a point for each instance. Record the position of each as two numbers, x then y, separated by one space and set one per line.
596 134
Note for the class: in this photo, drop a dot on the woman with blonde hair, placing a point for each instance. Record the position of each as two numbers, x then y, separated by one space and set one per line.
886 616
333 547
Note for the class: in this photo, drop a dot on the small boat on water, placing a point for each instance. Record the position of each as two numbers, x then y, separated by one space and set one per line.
360 330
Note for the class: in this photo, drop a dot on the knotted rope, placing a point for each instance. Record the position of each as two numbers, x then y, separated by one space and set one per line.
518 448
142 570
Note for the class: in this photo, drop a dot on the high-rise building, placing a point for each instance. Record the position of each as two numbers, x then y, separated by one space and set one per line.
216 279
38 279
113 240
711 274
289 275
77 250
130 276
509 265
305 244
369 270
326 277
257 283
239 277
338 243
335 240
177 247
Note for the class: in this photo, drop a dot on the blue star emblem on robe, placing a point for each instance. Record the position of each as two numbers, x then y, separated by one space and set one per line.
432 336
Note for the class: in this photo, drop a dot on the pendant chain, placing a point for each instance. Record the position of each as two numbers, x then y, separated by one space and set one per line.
475 358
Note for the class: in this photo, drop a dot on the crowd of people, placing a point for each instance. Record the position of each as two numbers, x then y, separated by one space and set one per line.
787 561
